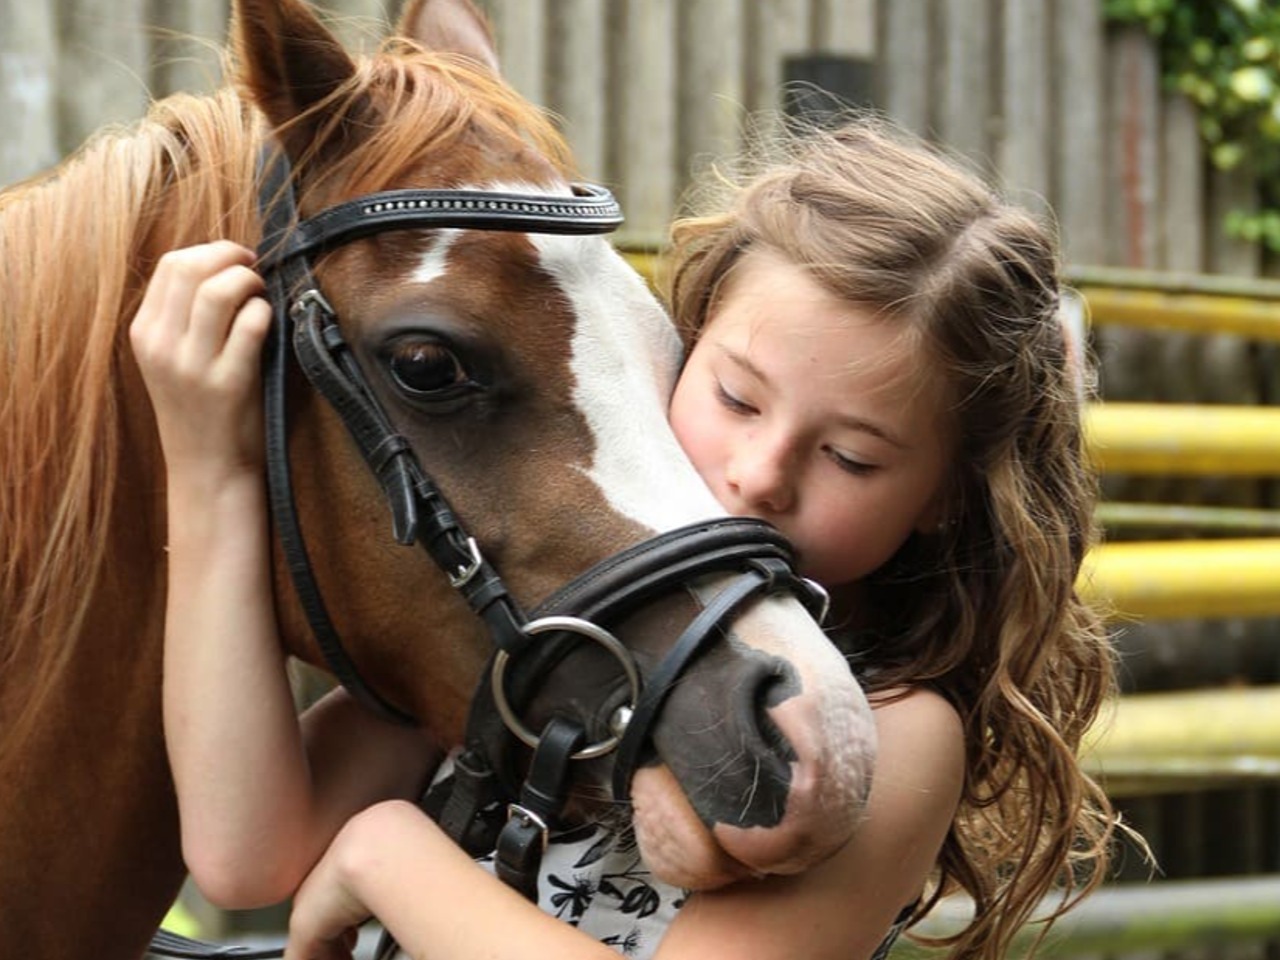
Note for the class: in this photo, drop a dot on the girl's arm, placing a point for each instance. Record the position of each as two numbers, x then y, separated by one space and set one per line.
259 800
395 864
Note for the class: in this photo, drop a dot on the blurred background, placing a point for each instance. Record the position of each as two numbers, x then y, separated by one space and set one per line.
1148 129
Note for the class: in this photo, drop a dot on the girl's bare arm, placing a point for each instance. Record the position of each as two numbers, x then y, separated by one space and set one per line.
259 800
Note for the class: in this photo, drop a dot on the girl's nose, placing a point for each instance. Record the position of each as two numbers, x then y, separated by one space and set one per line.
761 475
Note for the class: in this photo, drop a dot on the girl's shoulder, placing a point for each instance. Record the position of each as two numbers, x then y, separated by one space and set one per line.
921 708
921 742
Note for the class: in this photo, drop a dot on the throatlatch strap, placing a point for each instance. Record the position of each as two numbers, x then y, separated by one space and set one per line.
524 839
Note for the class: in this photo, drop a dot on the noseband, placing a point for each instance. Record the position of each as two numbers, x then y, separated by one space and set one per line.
759 559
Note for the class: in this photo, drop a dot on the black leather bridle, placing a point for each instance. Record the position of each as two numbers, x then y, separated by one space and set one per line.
754 553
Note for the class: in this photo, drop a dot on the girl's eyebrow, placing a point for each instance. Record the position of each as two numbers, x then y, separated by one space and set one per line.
848 421
743 362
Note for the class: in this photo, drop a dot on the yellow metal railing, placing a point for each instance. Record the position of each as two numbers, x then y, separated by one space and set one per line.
1185 440
1167 742
1222 916
1167 579
1192 303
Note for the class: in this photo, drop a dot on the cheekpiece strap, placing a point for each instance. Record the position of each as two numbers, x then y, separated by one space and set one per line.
523 841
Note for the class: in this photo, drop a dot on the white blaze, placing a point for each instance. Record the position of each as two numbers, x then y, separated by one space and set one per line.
433 262
626 356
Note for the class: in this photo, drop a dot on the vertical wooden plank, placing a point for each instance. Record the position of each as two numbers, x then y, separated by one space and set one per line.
1132 157
521 27
1133 123
104 54
1182 193
1234 190
710 95
645 161
1182 236
846 27
906 62
1079 197
966 103
578 78
1225 371
774 30
28 84
1023 156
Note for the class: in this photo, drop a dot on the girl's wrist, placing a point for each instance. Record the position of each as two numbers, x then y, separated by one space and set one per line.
362 848
212 483
202 502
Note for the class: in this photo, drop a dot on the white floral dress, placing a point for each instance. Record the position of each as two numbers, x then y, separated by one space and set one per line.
593 878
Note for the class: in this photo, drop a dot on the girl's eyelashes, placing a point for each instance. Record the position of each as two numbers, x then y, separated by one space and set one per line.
850 465
730 402
856 467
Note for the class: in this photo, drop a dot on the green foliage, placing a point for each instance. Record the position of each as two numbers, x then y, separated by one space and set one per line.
1225 56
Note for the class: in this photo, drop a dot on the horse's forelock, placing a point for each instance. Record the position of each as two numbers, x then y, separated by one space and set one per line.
427 102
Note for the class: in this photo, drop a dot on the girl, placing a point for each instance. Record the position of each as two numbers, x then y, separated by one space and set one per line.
878 369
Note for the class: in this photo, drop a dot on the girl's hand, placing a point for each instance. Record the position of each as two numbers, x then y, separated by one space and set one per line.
197 338
327 912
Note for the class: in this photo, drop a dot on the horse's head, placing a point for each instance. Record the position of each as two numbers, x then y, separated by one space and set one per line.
529 372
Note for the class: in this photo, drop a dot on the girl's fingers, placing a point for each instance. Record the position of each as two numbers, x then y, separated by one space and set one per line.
248 332
217 304
167 302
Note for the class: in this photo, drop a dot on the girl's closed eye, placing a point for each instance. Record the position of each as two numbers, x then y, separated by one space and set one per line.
858 468
732 402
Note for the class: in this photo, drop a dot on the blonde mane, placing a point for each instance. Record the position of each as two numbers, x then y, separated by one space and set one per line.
77 245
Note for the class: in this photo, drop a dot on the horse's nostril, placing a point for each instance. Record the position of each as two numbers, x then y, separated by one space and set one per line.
772 690
767 685
724 709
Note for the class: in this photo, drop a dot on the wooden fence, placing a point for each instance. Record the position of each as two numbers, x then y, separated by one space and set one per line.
1067 112
1041 93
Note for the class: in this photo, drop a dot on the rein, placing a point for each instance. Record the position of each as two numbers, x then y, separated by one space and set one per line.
485 805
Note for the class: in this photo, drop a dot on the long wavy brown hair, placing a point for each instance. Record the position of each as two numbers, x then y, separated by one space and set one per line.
985 610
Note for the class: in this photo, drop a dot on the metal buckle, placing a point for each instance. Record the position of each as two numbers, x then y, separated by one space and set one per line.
467 571
529 819
308 298
818 594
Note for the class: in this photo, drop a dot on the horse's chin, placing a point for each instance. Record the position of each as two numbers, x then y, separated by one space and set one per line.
674 843
680 849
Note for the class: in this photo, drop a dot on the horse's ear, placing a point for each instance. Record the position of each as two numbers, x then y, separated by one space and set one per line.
455 26
288 64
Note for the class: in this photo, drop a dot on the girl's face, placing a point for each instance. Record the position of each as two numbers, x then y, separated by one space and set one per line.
813 414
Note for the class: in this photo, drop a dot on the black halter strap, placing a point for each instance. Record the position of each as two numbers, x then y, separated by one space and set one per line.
473 804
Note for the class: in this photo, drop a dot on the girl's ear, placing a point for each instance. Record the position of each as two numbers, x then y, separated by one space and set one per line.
454 26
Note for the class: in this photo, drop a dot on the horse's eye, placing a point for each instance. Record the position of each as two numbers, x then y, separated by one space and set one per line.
427 367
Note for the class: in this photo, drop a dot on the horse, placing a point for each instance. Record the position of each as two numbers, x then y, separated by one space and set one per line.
523 363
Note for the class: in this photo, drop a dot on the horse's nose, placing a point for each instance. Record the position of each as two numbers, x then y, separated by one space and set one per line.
735 761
